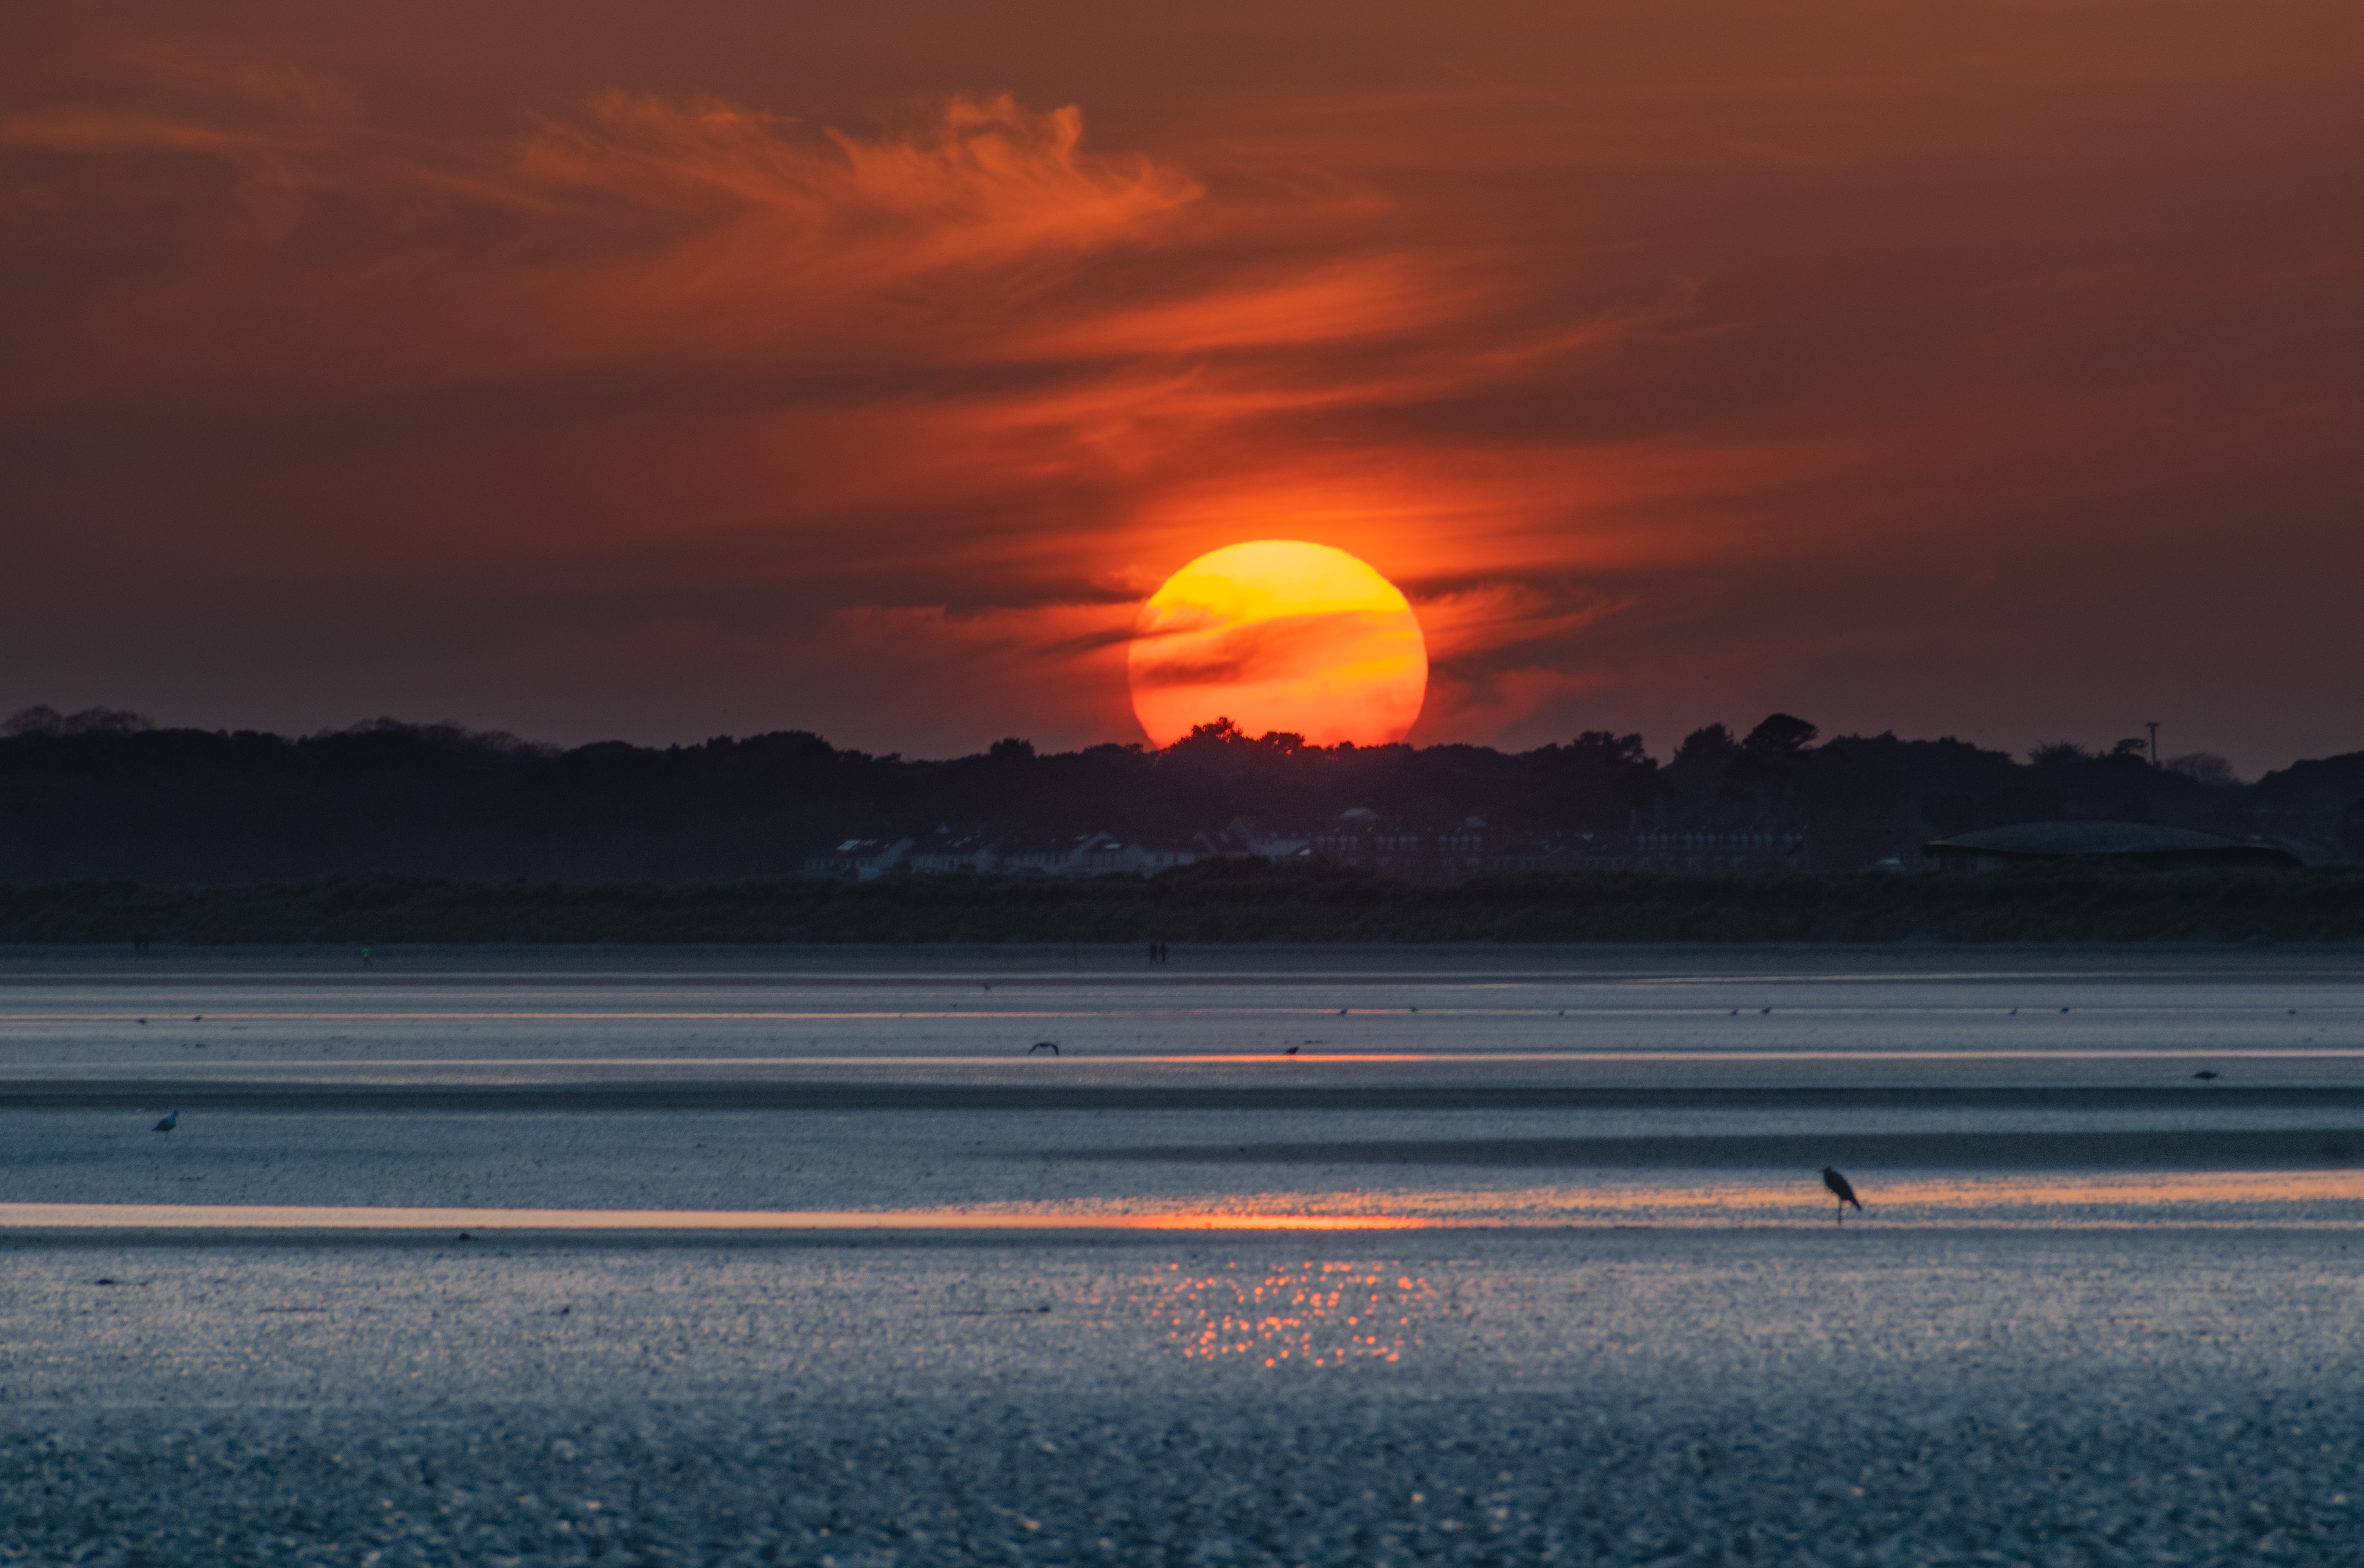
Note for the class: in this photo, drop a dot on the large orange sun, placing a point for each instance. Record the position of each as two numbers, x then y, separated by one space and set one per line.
1278 634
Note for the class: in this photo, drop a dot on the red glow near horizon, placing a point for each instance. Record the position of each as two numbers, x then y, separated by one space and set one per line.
867 374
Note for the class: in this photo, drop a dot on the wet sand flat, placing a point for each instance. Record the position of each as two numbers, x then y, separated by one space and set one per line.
1635 1397
1520 1257
839 1012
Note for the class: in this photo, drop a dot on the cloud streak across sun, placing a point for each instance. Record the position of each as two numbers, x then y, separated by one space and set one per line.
1278 636
659 379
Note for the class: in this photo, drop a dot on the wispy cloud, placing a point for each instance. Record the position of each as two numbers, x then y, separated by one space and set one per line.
1670 376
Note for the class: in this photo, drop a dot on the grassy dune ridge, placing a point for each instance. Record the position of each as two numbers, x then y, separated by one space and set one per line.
1220 903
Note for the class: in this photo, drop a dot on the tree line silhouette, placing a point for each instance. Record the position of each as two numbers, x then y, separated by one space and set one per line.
103 795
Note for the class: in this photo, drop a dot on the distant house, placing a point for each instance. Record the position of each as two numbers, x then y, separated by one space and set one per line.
946 854
1164 856
2146 844
1359 837
1516 855
1768 849
1583 856
1348 839
1475 848
859 860
1241 837
1461 850
949 854
1104 855
1407 851
1152 857
1057 855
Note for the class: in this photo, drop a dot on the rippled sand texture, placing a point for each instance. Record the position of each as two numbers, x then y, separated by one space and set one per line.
757 1271
1890 1396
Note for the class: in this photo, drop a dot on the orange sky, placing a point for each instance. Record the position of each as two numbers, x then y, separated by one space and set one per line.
586 371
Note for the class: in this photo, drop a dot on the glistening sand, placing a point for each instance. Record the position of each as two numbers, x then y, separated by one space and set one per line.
2098 1311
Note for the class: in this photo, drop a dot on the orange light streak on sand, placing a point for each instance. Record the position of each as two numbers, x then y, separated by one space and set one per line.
2173 1197
1279 635
289 1217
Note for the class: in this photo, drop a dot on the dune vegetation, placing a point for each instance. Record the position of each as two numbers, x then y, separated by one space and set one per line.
1224 902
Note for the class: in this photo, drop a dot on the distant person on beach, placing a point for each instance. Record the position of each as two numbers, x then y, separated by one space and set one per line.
367 963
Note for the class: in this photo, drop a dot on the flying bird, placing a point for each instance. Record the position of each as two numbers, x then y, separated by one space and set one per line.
1050 1045
2205 1072
1341 1012
1837 1186
1290 1051
170 1121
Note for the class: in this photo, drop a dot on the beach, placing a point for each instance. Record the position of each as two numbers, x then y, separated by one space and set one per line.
774 1257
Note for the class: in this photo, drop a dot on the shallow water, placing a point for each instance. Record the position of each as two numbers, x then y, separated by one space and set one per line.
1452 1090
819 1266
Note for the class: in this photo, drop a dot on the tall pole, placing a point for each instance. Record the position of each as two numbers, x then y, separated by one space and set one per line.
2153 742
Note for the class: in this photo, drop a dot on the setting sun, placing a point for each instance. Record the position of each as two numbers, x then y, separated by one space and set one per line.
1279 634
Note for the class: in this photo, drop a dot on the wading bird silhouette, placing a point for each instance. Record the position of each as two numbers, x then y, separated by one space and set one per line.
1050 1045
170 1121
1839 1188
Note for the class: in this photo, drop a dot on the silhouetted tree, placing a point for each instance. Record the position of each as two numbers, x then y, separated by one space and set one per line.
1767 757
2204 768
1779 738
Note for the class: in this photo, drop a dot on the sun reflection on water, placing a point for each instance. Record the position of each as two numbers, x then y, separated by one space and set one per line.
1319 1313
